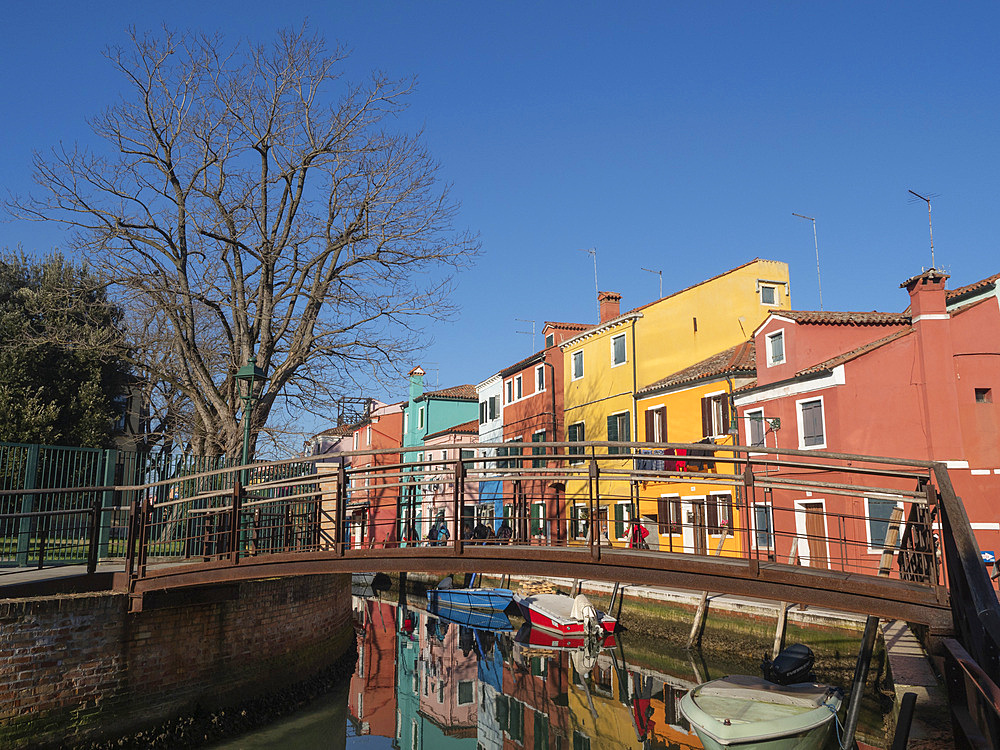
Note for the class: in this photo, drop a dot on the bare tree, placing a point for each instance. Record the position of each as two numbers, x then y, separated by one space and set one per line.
247 200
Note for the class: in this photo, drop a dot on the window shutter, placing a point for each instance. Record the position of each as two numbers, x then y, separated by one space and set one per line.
663 515
651 425
812 423
625 428
619 521
706 416
536 518
612 428
724 403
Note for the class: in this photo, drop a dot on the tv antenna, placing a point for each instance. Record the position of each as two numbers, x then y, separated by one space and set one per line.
930 226
527 333
597 291
819 282
660 274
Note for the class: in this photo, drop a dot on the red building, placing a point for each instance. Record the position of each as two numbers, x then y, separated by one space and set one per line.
371 701
373 499
532 392
919 384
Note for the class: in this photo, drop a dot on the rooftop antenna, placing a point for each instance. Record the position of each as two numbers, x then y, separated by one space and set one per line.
532 332
597 290
660 274
929 225
819 283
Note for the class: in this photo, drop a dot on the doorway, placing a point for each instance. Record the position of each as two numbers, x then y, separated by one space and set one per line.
810 527
693 524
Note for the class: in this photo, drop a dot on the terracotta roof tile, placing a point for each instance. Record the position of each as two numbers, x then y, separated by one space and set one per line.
466 428
455 393
976 286
567 326
510 370
819 317
340 431
739 358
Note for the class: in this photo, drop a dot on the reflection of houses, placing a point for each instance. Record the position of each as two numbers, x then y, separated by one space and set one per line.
373 495
371 701
532 711
605 366
425 414
441 450
450 697
532 413
919 384
692 406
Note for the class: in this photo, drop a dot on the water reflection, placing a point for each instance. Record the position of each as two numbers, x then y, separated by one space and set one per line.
428 683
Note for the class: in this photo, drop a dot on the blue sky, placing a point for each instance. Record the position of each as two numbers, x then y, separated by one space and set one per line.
672 136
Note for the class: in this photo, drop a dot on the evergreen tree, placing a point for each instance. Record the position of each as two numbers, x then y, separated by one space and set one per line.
60 377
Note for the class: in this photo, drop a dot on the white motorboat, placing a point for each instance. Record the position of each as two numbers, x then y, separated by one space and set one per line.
750 712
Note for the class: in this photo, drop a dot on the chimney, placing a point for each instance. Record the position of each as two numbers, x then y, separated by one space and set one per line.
610 305
927 294
935 366
416 382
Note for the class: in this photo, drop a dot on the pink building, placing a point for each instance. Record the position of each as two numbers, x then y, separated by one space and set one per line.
442 449
919 384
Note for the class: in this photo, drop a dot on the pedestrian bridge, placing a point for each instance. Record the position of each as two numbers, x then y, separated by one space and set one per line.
873 535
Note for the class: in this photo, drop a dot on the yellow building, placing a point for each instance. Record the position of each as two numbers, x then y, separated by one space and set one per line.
606 366
690 406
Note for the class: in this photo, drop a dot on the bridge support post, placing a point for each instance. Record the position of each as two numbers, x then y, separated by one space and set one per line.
340 509
458 503
234 523
593 475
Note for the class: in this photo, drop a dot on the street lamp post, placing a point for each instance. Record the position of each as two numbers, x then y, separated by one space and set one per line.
248 376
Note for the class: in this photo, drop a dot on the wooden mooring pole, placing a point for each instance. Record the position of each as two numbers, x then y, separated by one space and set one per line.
698 626
779 631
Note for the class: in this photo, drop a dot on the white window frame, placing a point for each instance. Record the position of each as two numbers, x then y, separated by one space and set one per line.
868 528
753 525
518 388
406 421
806 555
356 434
657 438
509 391
624 361
774 288
540 379
771 362
718 406
420 418
626 519
748 419
798 420
368 435
573 360
550 340
580 507
719 499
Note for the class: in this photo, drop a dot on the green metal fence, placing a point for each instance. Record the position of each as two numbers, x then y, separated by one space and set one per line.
57 525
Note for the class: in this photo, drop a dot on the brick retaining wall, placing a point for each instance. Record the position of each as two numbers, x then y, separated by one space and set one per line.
82 667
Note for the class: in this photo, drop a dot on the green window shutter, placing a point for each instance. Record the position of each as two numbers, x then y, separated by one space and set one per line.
536 518
612 432
619 521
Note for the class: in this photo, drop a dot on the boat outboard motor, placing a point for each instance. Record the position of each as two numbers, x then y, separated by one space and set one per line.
584 610
446 583
794 664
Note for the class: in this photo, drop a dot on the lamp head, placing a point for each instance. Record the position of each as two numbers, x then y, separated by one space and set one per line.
250 374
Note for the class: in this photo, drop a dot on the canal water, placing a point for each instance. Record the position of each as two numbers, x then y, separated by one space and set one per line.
424 682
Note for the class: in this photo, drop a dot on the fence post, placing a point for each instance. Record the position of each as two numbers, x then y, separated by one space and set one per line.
340 511
107 500
93 548
28 504
234 523
459 502
593 474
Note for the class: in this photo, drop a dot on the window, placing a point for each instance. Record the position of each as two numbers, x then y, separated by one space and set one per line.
811 432
618 350
406 421
768 294
756 427
465 692
420 418
714 415
482 412
668 514
578 521
538 437
575 434
656 425
580 741
775 348
763 526
879 512
618 431
518 389
541 726
539 378
494 406
537 519
719 512
511 450
467 453
550 340
510 391
623 515
577 365
984 395
355 441
368 436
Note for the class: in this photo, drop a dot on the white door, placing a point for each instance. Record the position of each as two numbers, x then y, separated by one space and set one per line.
692 523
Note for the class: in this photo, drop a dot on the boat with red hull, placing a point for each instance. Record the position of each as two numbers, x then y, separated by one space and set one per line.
565 615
